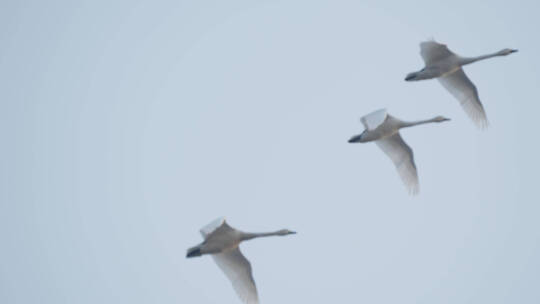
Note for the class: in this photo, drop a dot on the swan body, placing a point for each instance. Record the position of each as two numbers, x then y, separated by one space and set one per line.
383 129
221 241
443 64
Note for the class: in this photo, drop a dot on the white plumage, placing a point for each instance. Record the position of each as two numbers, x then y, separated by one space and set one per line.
238 269
212 226
443 64
462 88
221 241
402 156
383 129
374 119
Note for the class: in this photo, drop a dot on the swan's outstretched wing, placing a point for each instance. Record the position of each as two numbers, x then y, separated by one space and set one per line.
374 119
462 88
238 269
402 156
218 224
432 51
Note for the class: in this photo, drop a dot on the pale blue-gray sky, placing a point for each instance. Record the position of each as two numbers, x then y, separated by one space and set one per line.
128 125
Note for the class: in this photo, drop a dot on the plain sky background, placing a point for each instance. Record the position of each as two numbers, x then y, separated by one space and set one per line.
126 126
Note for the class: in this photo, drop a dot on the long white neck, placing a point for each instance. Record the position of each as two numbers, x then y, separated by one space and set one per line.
248 235
468 60
406 124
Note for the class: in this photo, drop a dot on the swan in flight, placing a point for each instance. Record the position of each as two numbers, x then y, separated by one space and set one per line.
221 241
384 130
443 64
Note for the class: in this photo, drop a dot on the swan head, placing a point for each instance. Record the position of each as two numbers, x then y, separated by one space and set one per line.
506 52
440 119
283 232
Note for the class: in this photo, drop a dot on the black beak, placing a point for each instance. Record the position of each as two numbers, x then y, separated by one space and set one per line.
514 51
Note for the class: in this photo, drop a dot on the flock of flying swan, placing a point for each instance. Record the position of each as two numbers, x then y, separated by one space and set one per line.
221 241
443 64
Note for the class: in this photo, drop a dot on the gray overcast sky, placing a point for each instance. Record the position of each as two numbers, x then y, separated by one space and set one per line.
128 125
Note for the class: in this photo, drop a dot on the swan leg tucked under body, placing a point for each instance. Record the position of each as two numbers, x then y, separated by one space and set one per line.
383 129
221 241
443 64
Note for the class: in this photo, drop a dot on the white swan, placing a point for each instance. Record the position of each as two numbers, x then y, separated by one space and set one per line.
221 241
384 130
443 64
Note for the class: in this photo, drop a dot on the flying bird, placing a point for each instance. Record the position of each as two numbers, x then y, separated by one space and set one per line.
383 129
443 64
221 241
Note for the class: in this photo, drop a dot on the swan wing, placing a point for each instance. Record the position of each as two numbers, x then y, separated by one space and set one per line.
372 120
217 224
462 88
432 51
402 156
238 270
